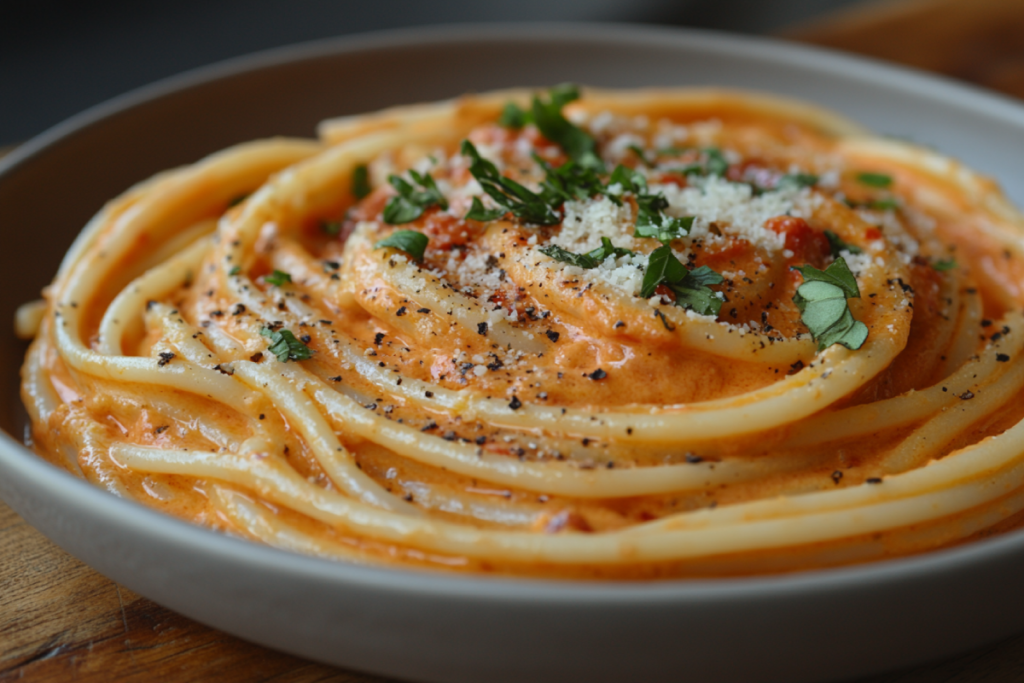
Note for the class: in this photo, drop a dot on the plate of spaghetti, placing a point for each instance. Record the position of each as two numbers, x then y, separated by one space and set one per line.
509 371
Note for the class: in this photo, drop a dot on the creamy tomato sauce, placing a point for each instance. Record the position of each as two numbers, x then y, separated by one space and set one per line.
625 335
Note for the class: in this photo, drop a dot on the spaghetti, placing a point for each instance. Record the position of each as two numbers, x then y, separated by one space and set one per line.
629 335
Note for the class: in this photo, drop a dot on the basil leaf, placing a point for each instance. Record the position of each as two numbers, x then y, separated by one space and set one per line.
411 242
836 244
285 346
521 202
580 260
591 259
849 332
360 181
837 274
608 249
704 276
821 300
477 212
278 278
944 264
661 227
662 266
409 204
575 142
692 291
568 181
874 179
690 287
627 180
514 117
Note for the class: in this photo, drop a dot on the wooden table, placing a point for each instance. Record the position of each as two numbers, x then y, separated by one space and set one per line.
60 620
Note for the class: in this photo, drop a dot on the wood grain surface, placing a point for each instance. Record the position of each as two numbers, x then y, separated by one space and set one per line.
61 621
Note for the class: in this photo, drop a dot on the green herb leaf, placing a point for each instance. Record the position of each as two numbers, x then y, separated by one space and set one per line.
235 270
716 163
608 249
887 204
690 287
412 242
662 266
332 228
278 278
796 180
512 116
944 264
821 300
559 254
874 179
360 181
285 346
640 154
521 202
624 179
591 259
568 181
409 204
693 292
574 141
836 244
653 223
477 212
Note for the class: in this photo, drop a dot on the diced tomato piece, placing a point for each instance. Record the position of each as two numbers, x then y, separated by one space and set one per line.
666 292
807 244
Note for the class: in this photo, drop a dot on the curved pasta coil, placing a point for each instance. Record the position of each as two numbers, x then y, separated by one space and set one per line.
251 344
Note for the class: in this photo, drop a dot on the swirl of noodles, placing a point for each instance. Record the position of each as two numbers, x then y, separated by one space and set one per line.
249 344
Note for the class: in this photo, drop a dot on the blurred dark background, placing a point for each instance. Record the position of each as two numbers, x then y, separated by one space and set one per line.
58 57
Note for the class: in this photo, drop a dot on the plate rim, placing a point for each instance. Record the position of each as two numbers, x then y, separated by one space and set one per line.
498 588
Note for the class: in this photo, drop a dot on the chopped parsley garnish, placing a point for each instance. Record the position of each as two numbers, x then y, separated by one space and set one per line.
521 202
285 346
836 244
235 270
411 242
360 181
650 219
569 181
714 163
944 264
332 228
823 306
278 278
477 212
409 204
874 179
591 259
689 286
514 117
574 141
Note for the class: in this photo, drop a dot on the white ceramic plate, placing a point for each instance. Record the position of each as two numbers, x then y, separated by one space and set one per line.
812 626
